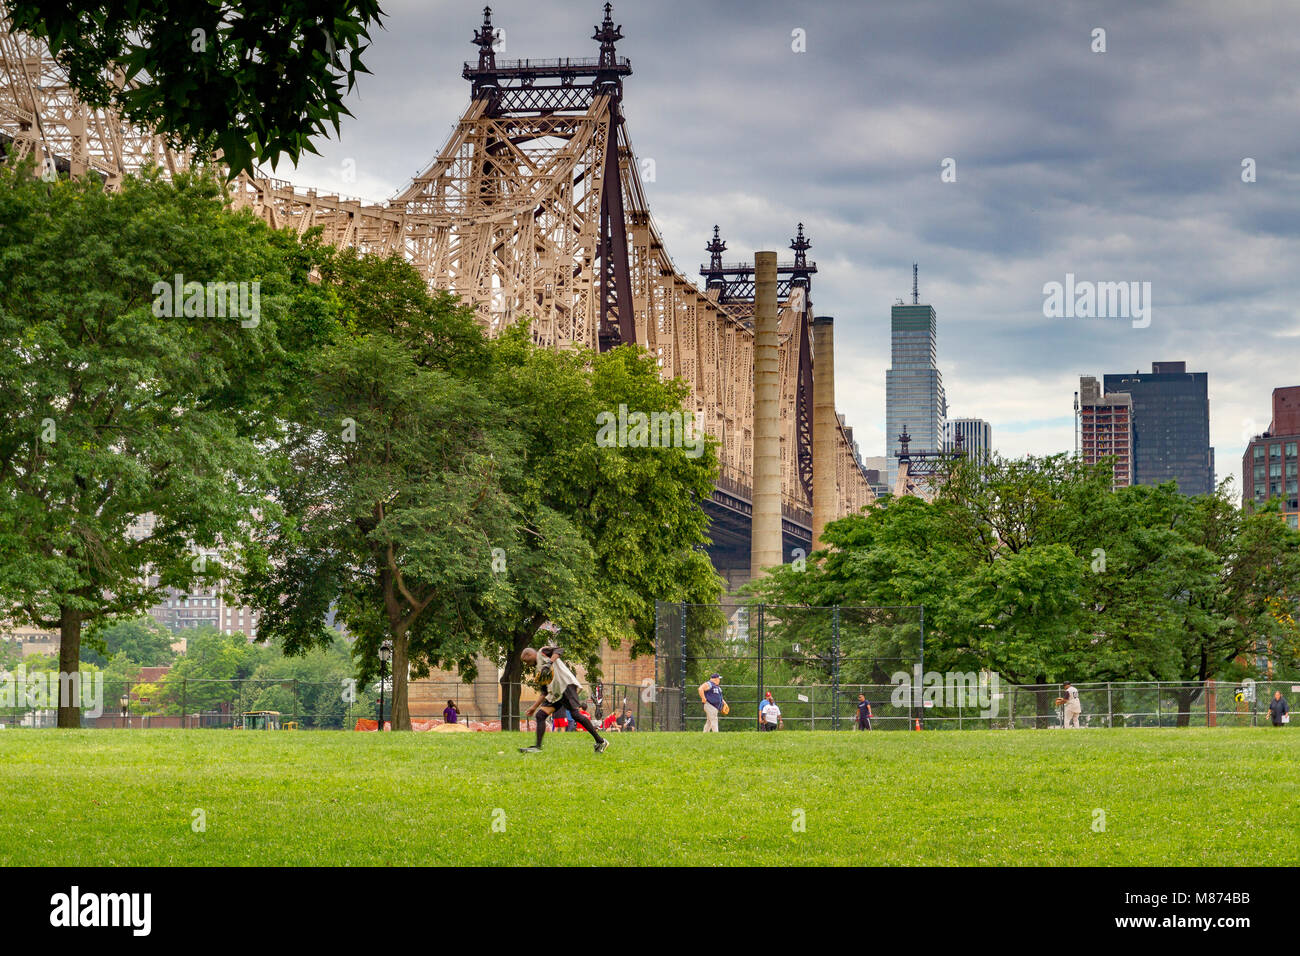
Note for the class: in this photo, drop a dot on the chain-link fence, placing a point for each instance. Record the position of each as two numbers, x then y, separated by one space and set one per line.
811 660
834 668
340 703
782 659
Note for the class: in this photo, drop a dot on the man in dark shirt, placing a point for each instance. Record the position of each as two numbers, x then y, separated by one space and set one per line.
1277 709
864 712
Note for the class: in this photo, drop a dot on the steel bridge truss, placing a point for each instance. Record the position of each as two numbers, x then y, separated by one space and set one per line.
534 209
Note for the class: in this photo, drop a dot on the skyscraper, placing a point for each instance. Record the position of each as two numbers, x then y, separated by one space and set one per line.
1171 426
1106 429
976 437
913 386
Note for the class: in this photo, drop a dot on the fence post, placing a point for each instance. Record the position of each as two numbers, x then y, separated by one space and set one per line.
835 667
762 620
921 702
295 701
1110 709
185 721
681 696
1159 720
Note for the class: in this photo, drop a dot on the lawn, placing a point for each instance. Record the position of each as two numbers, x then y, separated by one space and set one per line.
1217 796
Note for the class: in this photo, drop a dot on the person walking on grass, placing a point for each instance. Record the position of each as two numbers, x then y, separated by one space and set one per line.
864 713
560 690
770 714
713 701
1277 710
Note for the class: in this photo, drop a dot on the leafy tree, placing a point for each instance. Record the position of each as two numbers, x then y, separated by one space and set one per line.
1035 569
142 639
606 530
208 675
390 488
110 412
1243 601
11 654
310 686
254 80
120 675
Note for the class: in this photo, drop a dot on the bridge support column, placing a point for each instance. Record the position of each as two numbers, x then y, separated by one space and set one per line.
766 550
825 503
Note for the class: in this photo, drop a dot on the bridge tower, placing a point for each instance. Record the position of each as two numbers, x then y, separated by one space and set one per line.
534 208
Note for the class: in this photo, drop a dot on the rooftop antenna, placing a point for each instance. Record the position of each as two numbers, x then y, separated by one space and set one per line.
1076 424
916 295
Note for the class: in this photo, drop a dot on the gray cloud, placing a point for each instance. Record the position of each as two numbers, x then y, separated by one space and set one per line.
1117 165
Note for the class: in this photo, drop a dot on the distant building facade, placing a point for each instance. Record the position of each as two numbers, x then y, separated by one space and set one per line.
876 469
976 437
848 436
1106 429
1270 467
203 606
30 640
1171 425
914 396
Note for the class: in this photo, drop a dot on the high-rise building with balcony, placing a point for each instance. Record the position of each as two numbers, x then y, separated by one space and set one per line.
1106 429
1270 467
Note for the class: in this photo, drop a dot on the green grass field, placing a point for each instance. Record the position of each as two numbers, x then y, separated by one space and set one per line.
1221 797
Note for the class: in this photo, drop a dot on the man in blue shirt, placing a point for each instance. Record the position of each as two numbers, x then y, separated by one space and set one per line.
864 712
711 698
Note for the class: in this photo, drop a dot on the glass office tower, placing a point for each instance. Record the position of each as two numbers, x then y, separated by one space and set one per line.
1171 426
913 386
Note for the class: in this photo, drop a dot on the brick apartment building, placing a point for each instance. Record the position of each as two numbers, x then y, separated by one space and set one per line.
1106 428
1270 464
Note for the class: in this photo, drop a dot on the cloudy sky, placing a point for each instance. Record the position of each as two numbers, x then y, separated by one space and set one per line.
1123 165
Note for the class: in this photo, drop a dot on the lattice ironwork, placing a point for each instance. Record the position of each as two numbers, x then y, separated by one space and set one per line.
534 208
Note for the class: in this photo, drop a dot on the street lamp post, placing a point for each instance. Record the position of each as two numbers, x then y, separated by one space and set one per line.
385 655
125 701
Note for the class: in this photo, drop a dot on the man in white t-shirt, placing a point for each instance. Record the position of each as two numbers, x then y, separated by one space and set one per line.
770 713
1072 706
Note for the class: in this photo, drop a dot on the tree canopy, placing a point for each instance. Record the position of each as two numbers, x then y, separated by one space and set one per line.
1035 569
446 492
130 433
255 80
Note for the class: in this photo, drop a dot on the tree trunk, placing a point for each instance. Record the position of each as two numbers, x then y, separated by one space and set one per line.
511 680
1186 696
1045 705
69 663
401 669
